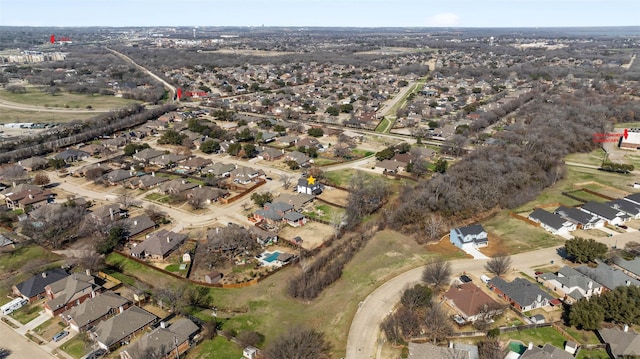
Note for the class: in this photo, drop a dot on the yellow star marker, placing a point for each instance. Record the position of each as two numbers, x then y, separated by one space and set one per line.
311 181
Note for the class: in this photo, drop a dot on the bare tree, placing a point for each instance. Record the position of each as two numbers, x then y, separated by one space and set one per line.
391 328
489 348
433 227
499 264
337 222
126 199
154 213
41 179
286 181
197 202
250 338
437 272
299 344
92 261
438 325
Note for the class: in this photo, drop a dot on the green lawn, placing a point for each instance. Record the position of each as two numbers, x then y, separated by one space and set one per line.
14 260
591 158
538 336
593 354
383 125
362 153
8 115
27 313
583 336
75 347
36 97
216 348
324 161
326 212
517 236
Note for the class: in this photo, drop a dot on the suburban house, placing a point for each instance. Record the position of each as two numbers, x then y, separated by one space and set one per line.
273 212
93 310
295 219
92 149
68 292
390 166
158 245
633 198
552 222
139 225
269 153
309 142
288 140
34 287
117 177
309 186
582 219
607 276
298 157
71 155
621 343
147 154
219 169
93 170
33 163
9 190
628 207
109 212
471 302
608 214
208 194
520 293
32 198
473 236
570 284
117 330
263 237
630 268
164 342
168 160
146 182
299 200
547 352
244 175
195 163
177 186
269 136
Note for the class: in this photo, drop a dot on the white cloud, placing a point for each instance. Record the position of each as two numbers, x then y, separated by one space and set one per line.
446 19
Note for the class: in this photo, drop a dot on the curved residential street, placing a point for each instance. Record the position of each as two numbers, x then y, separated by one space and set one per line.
364 334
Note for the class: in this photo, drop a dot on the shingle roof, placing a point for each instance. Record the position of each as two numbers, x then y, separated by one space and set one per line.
622 343
430 351
575 215
546 352
67 287
601 210
161 341
550 219
95 308
159 243
293 216
139 224
520 290
122 325
632 266
607 276
470 230
470 299
35 285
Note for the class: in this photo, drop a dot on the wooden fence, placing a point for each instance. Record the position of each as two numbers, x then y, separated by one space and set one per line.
524 219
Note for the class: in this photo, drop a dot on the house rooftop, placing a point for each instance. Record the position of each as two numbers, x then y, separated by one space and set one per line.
35 285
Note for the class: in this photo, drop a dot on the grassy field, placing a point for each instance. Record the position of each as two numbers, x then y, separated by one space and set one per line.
324 212
538 336
591 158
36 97
516 236
383 126
217 348
593 354
13 261
8 115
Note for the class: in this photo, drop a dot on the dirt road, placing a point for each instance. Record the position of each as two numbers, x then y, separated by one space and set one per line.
365 327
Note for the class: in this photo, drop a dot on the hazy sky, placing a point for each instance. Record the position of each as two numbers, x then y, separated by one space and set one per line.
365 13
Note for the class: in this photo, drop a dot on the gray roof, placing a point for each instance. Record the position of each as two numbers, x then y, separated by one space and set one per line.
575 215
430 351
139 224
635 197
118 175
114 329
4 241
279 206
520 290
632 266
218 169
550 219
95 308
270 214
625 206
622 343
601 210
296 200
159 243
68 287
148 180
298 156
473 229
570 277
161 341
546 352
35 285
105 211
147 154
293 216
607 276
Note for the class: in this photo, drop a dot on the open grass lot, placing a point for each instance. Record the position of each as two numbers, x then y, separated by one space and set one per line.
586 196
75 347
323 161
325 212
590 158
217 348
582 336
383 126
343 177
516 236
14 260
8 115
593 354
36 97
538 336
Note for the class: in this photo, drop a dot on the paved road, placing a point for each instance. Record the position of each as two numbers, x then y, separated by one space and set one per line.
364 332
20 346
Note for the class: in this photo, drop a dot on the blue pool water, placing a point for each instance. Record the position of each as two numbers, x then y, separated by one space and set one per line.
517 347
272 257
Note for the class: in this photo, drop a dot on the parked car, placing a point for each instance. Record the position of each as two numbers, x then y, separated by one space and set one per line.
59 336
622 226
538 272
96 354
465 279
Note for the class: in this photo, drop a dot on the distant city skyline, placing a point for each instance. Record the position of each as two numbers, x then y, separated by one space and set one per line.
321 13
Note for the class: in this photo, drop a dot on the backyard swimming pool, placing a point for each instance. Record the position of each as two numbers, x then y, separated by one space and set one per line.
271 257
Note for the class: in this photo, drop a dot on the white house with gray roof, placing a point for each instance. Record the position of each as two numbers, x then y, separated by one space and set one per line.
570 284
610 215
608 276
582 219
552 222
473 236
628 207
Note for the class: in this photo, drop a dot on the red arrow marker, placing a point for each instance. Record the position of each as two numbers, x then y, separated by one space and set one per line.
626 133
53 39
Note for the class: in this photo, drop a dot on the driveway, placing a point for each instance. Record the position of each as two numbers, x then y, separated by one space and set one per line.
475 253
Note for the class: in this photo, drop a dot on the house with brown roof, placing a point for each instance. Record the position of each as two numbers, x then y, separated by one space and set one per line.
177 186
158 245
195 163
209 194
139 225
114 331
31 197
269 153
147 181
471 302
93 310
117 177
109 212
33 163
